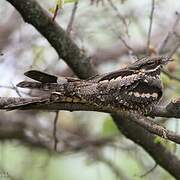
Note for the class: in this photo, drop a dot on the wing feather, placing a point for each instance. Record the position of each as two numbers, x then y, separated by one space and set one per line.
41 76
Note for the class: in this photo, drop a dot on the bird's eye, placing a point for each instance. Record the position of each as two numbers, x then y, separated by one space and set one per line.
150 63
147 65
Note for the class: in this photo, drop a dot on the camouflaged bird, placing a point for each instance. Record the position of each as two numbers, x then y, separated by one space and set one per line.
137 87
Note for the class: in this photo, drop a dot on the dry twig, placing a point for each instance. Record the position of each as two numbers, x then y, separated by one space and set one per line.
70 24
150 26
171 76
55 130
149 171
119 15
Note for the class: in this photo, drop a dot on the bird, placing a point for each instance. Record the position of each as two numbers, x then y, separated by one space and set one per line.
137 87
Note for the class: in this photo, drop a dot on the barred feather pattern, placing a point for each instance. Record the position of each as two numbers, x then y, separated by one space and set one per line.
135 88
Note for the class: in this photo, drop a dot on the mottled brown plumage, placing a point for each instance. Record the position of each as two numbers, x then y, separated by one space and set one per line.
136 87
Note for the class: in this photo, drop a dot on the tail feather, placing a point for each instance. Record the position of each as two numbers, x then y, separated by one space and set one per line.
30 85
42 86
41 76
21 103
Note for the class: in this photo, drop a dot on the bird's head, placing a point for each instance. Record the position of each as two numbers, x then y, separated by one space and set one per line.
150 65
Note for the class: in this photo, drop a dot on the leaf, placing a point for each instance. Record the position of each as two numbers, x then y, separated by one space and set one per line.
60 3
165 79
169 145
70 1
109 127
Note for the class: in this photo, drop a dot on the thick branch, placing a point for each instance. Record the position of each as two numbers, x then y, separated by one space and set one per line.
153 127
161 155
46 104
33 13
170 110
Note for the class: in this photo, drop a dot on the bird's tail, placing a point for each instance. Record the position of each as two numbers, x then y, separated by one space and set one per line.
41 86
30 85
21 103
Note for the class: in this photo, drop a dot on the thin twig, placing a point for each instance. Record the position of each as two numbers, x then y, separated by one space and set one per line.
150 25
176 21
12 88
131 50
55 12
164 42
119 15
172 52
55 130
69 26
7 87
126 44
171 76
97 156
149 171
174 49
17 90
97 2
169 34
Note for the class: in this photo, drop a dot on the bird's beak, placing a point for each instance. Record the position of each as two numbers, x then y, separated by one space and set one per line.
171 59
166 60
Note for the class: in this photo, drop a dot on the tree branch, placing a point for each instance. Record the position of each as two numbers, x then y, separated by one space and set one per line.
47 104
70 24
34 14
171 76
150 25
67 50
161 155
171 110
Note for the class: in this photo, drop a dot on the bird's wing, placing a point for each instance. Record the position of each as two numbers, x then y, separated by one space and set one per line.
112 75
41 76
